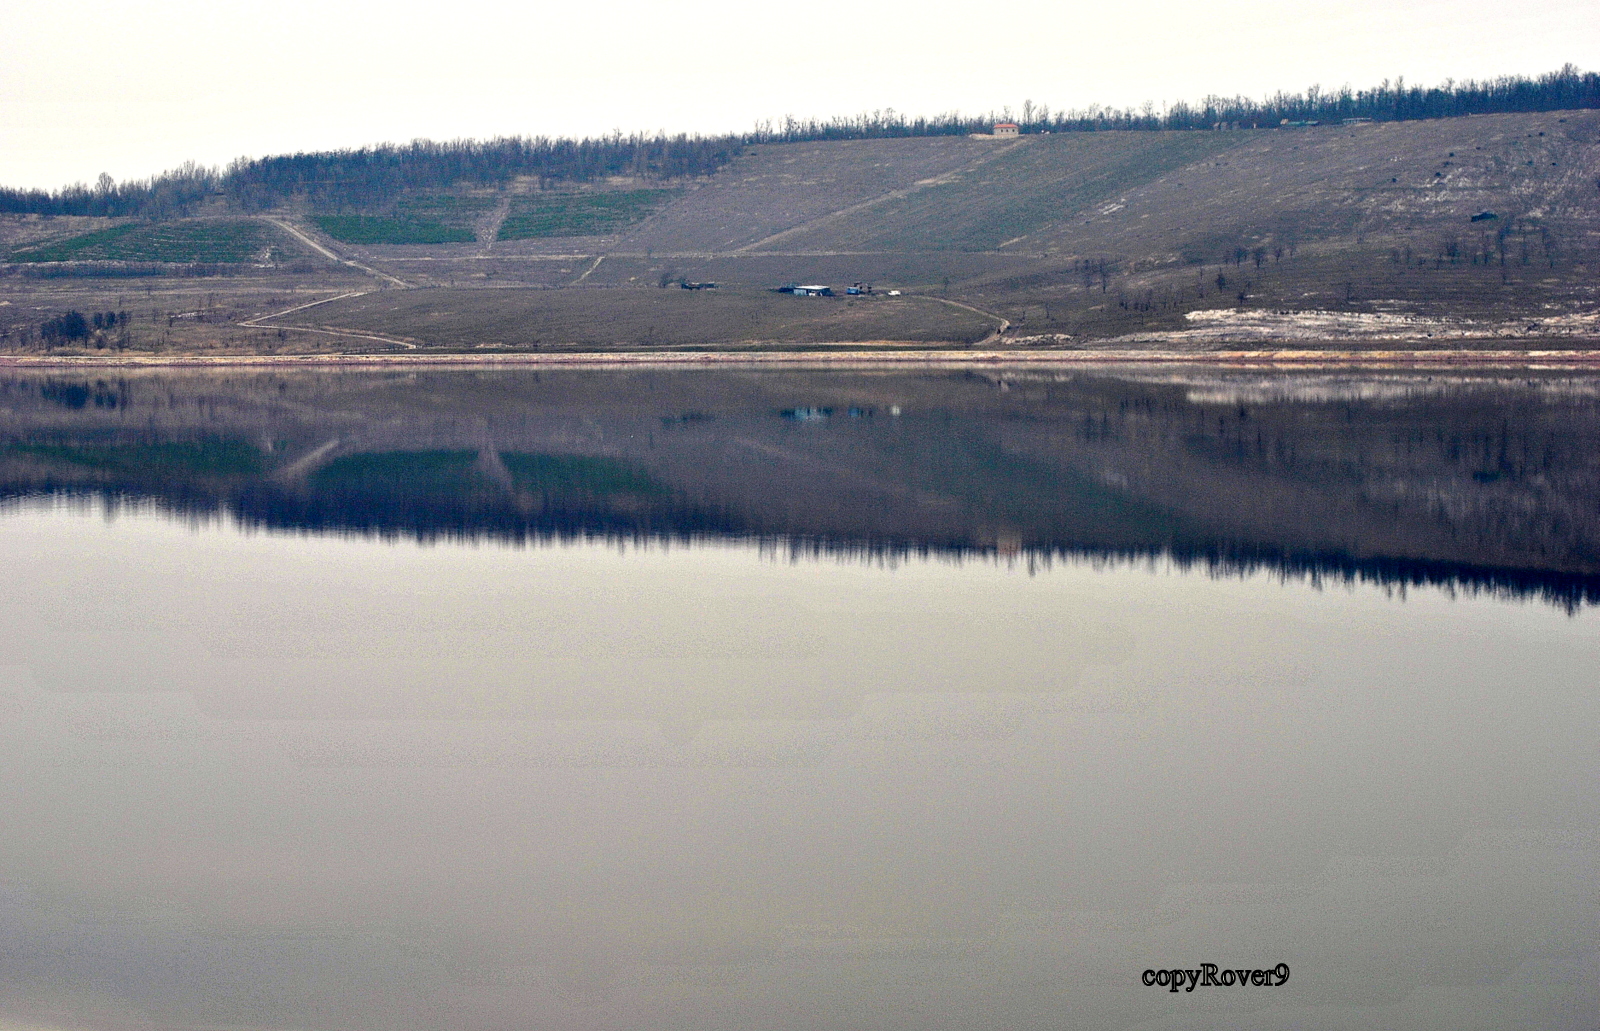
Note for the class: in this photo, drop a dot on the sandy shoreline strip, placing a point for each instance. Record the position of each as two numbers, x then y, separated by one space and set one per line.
1304 358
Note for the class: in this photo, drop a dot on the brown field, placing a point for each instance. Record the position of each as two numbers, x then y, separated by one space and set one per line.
606 319
175 314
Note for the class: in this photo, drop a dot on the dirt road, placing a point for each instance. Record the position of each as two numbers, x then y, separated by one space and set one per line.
300 235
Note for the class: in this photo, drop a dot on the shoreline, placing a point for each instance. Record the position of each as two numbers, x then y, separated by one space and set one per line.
846 359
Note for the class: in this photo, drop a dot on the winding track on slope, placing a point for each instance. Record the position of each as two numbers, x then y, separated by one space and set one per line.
1004 323
261 321
303 237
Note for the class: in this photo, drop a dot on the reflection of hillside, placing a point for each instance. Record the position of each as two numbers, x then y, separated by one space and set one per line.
1471 480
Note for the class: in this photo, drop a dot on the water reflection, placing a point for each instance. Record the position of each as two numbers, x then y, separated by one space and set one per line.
1470 481
393 771
273 781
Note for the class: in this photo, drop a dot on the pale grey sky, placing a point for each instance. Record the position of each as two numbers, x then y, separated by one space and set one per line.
131 88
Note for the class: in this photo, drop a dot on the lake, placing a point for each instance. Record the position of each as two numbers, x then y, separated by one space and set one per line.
481 699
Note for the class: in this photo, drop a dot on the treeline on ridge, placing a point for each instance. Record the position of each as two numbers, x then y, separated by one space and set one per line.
1565 90
171 194
371 177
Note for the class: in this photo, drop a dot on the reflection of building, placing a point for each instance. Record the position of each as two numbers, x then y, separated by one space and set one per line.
1007 129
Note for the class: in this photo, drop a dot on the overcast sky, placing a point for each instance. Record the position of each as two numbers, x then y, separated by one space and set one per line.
131 88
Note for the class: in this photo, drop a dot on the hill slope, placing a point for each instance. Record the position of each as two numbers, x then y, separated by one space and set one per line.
1156 194
1472 228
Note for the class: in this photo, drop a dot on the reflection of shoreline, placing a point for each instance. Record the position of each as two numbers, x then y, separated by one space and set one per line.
884 356
1226 560
1445 476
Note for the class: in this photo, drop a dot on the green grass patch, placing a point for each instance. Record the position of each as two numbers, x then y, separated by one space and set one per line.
222 241
581 214
402 228
415 471
446 208
219 457
573 474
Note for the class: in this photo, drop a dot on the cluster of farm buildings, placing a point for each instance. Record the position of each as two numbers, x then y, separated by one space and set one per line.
823 290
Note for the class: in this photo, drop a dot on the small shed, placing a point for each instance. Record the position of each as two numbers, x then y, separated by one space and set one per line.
1007 129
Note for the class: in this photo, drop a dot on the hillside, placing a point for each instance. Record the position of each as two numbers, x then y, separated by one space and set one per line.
1183 238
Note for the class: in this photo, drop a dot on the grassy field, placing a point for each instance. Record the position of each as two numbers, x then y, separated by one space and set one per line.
189 240
415 471
546 475
210 457
451 209
642 318
579 475
372 229
580 214
414 219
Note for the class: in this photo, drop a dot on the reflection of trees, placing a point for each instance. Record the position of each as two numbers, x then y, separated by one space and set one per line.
1477 483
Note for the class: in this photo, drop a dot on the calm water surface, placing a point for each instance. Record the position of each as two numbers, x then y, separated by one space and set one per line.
783 700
